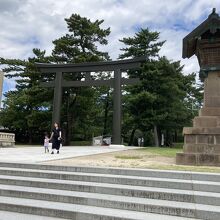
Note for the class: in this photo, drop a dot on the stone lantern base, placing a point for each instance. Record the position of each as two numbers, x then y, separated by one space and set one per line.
201 147
202 141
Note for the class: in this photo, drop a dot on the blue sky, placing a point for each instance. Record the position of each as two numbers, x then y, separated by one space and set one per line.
27 24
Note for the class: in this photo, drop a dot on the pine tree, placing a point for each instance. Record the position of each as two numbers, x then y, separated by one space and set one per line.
26 109
159 102
80 45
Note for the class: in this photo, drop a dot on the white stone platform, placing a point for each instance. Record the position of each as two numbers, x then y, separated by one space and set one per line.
35 154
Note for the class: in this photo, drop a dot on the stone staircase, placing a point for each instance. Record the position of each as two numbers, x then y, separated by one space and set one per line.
89 193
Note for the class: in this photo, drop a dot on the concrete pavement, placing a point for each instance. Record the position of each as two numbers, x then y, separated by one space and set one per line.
35 154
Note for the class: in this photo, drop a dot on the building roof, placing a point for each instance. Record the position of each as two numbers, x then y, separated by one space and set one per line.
211 24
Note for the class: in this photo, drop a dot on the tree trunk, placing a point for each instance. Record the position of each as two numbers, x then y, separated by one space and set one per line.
156 138
30 136
68 127
159 134
64 136
131 137
169 139
67 134
175 136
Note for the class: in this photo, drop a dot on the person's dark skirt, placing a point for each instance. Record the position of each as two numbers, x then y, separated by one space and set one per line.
55 144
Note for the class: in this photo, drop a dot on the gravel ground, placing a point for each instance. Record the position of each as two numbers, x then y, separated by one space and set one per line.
129 158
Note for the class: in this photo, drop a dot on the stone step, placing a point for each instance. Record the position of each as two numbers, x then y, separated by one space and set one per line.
187 195
187 175
4 215
190 210
85 193
207 186
80 212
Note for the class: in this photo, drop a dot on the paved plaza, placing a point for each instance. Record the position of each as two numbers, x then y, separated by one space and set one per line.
36 154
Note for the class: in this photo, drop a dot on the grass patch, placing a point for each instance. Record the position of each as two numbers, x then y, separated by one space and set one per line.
178 145
124 157
162 151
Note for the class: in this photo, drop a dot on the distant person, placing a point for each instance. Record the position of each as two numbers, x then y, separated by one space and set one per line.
139 142
56 138
46 143
142 141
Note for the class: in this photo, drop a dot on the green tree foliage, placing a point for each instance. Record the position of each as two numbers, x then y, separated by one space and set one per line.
144 43
81 43
160 102
80 111
25 109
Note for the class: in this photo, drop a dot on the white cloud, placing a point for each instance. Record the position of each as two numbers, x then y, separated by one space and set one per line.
26 24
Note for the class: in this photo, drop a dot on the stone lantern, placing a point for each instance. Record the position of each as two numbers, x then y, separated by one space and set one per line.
202 141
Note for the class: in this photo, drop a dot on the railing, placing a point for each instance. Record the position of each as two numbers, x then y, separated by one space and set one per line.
7 139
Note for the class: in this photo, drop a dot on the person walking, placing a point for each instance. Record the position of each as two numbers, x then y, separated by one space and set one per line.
46 143
56 137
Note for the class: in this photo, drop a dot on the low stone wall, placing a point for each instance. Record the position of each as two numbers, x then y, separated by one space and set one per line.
7 139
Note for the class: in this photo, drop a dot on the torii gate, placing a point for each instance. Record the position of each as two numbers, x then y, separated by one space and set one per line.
116 66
